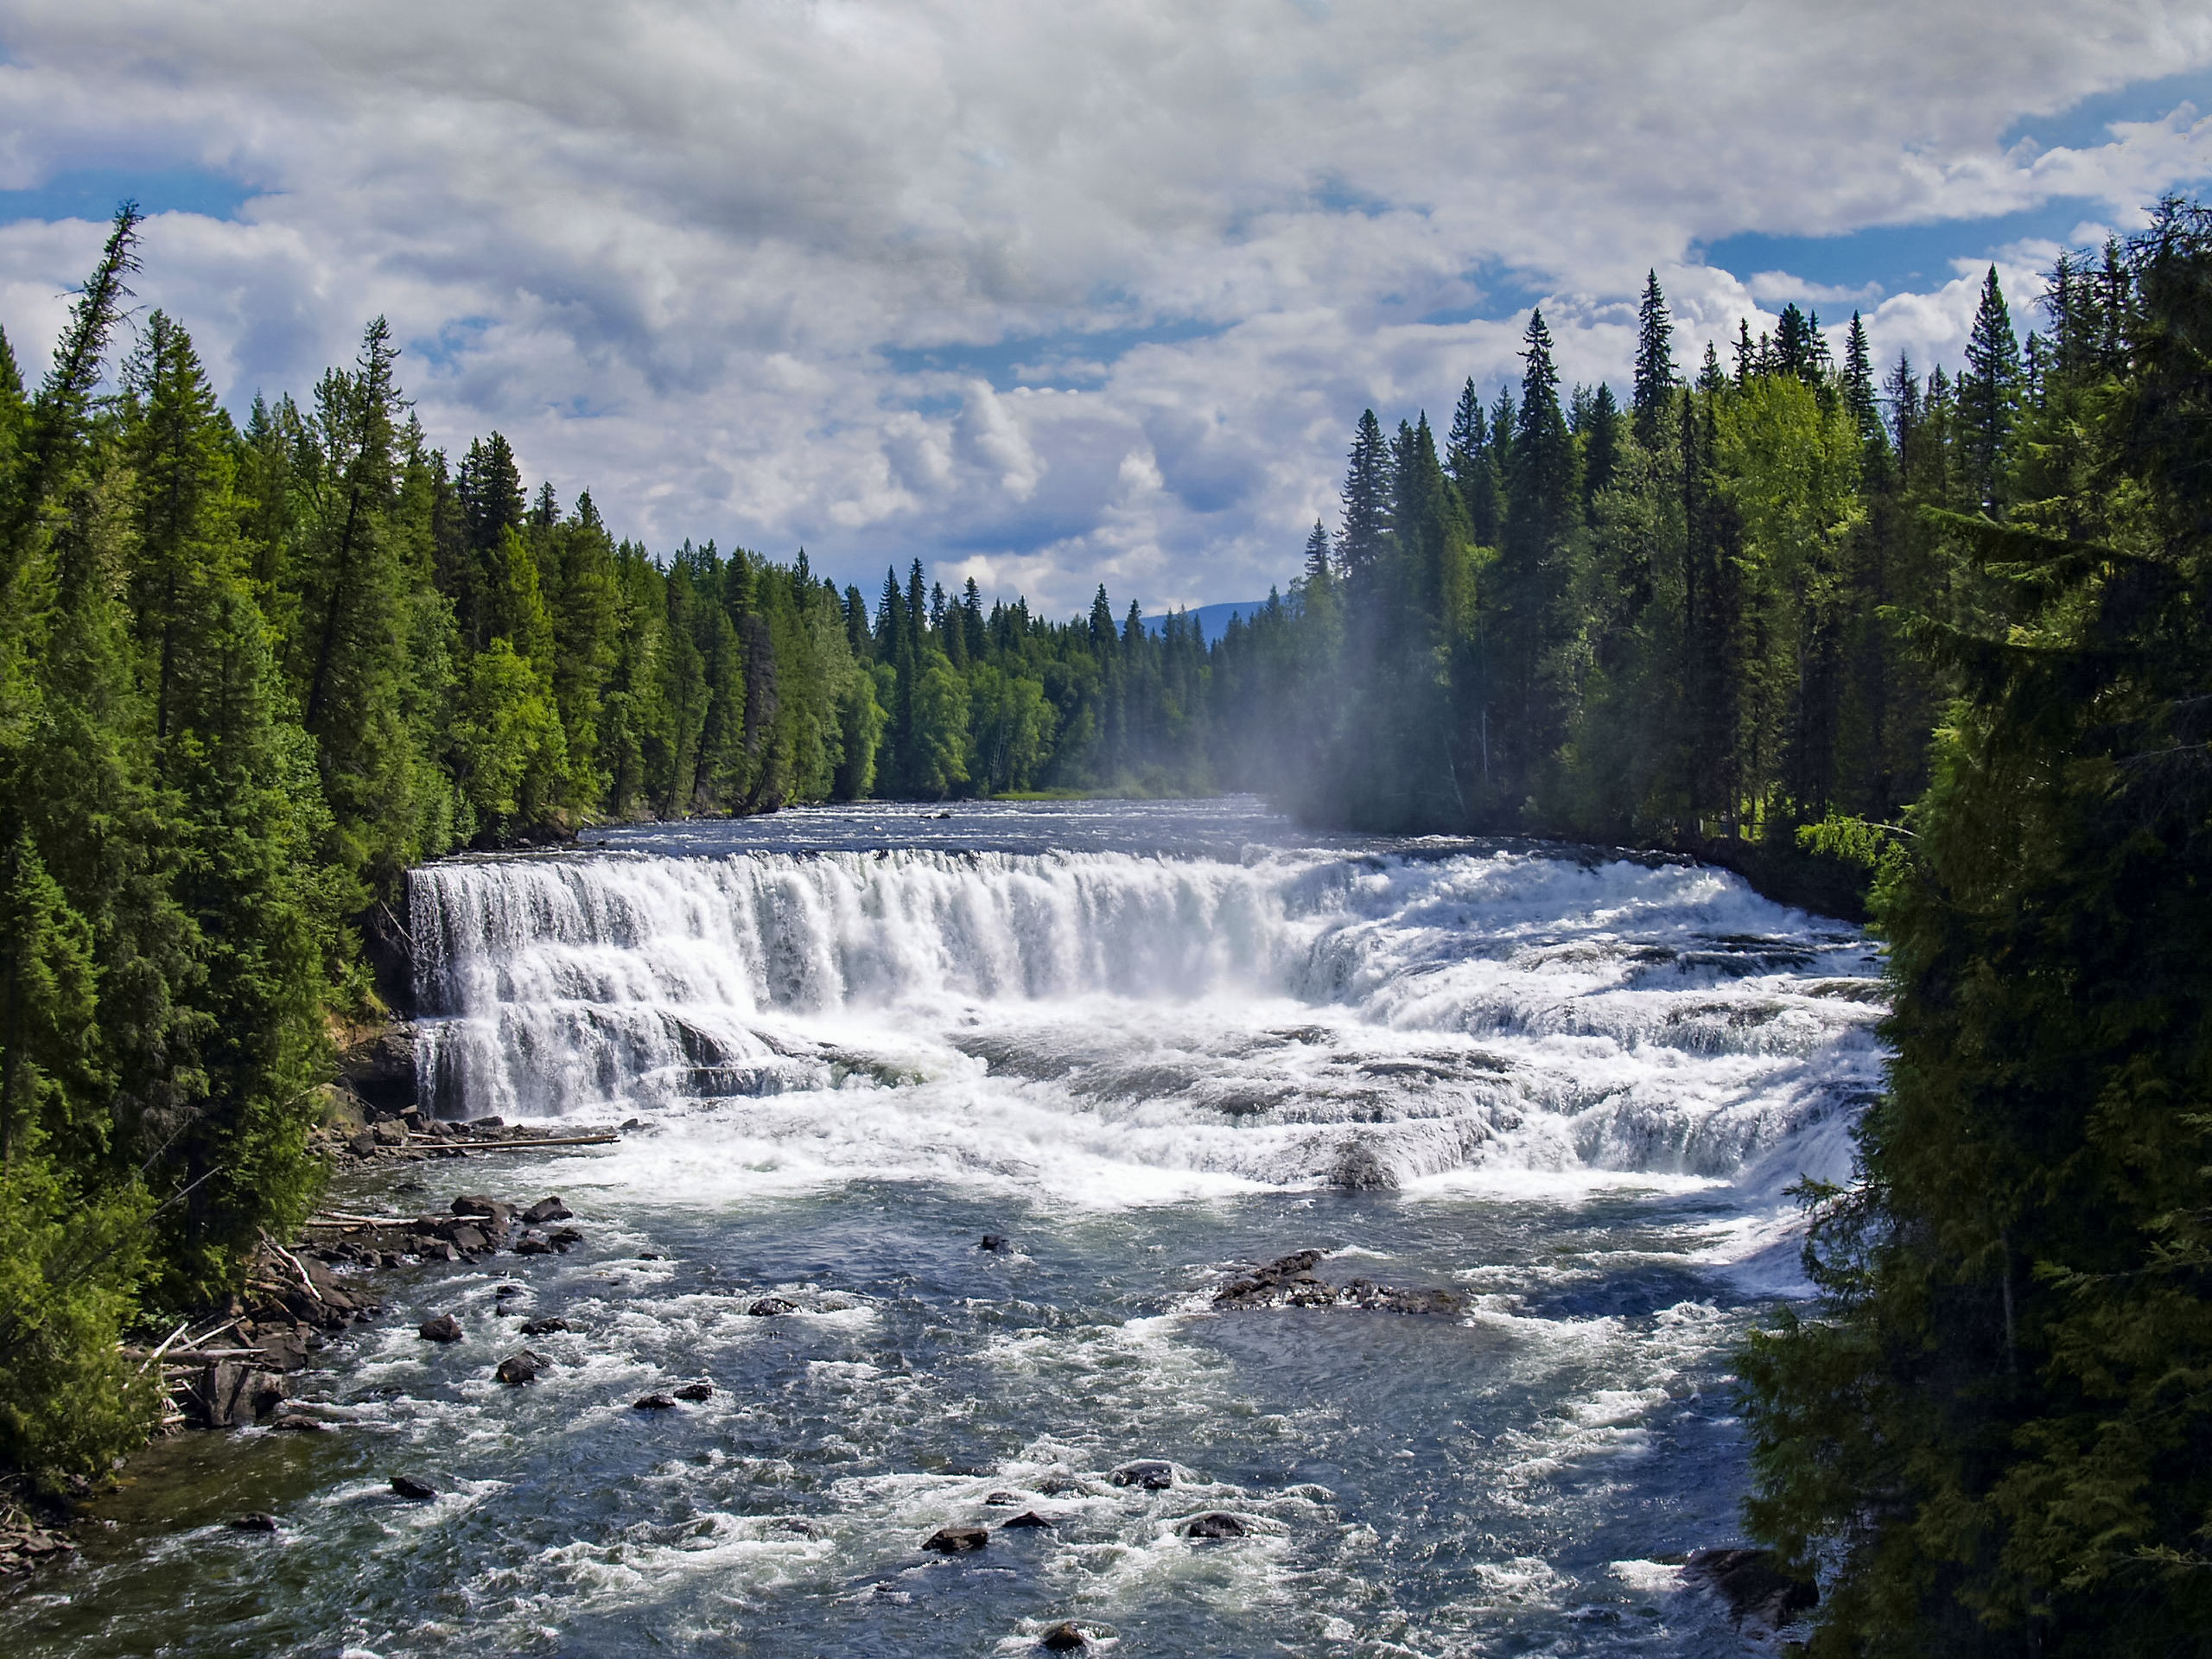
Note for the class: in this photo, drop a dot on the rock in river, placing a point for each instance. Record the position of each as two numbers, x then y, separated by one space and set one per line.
540 1327
518 1369
1758 1593
695 1391
957 1540
1028 1518
1215 1523
768 1305
417 1491
255 1521
1151 1473
1064 1637
652 1402
545 1209
444 1328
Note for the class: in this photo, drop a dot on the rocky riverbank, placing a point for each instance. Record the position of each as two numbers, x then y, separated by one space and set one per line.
235 1365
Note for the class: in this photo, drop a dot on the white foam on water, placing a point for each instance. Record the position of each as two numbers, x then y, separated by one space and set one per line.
1112 1030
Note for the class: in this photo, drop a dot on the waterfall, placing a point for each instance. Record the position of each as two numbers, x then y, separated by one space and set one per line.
1233 1014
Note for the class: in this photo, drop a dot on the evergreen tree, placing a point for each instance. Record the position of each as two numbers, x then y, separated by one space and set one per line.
1366 498
1986 394
1655 364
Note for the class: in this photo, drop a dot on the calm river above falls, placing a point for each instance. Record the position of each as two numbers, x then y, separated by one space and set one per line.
1150 1043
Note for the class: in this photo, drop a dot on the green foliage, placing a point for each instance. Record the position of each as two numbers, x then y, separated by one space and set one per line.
69 1403
1995 1437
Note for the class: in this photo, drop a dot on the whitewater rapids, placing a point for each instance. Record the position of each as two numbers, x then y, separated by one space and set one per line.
1146 1046
1121 1027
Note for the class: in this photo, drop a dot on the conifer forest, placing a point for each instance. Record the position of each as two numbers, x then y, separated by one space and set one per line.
1934 648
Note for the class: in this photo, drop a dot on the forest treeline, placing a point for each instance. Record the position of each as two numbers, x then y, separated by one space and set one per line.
1781 604
251 673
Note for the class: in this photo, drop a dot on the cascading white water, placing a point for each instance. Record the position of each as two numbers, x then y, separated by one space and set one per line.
1290 1017
1197 1041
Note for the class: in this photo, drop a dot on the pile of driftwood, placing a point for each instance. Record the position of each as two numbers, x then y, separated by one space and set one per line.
477 1226
229 1368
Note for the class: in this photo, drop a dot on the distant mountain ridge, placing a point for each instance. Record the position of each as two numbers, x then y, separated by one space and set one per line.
1213 620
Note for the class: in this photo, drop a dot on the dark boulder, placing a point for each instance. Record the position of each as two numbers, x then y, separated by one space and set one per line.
283 1348
533 1243
768 1307
470 1240
1753 1583
653 1402
518 1369
415 1492
696 1392
254 1521
1151 1473
379 1071
1357 1169
234 1395
995 1242
542 1327
443 1328
297 1422
957 1540
1028 1518
564 1238
1001 1500
1215 1523
1064 1637
495 1216
546 1209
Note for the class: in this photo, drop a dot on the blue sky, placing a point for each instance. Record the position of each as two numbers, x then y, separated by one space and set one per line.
1047 296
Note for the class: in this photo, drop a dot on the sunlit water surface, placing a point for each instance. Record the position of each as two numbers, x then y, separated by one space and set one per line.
1148 1043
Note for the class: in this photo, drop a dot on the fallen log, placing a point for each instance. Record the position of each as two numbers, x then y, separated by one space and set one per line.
517 1145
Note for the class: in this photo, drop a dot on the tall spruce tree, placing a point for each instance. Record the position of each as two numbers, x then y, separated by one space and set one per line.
1366 498
1654 365
1986 394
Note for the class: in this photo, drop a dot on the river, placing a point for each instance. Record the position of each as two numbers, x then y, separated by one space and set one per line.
1149 1044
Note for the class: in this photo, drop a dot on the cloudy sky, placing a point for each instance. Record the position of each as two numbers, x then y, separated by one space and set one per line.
1044 292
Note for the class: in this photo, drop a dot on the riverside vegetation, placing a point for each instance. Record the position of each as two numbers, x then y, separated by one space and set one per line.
1790 614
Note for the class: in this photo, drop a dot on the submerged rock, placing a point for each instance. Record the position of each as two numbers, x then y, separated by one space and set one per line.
1215 1523
1029 1518
1290 1282
652 1402
1153 1474
443 1328
540 1327
957 1540
768 1307
254 1521
695 1391
1001 1500
1064 1637
1357 1169
415 1492
994 1241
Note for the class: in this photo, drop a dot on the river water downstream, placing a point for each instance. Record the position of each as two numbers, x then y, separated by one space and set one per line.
1149 1044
